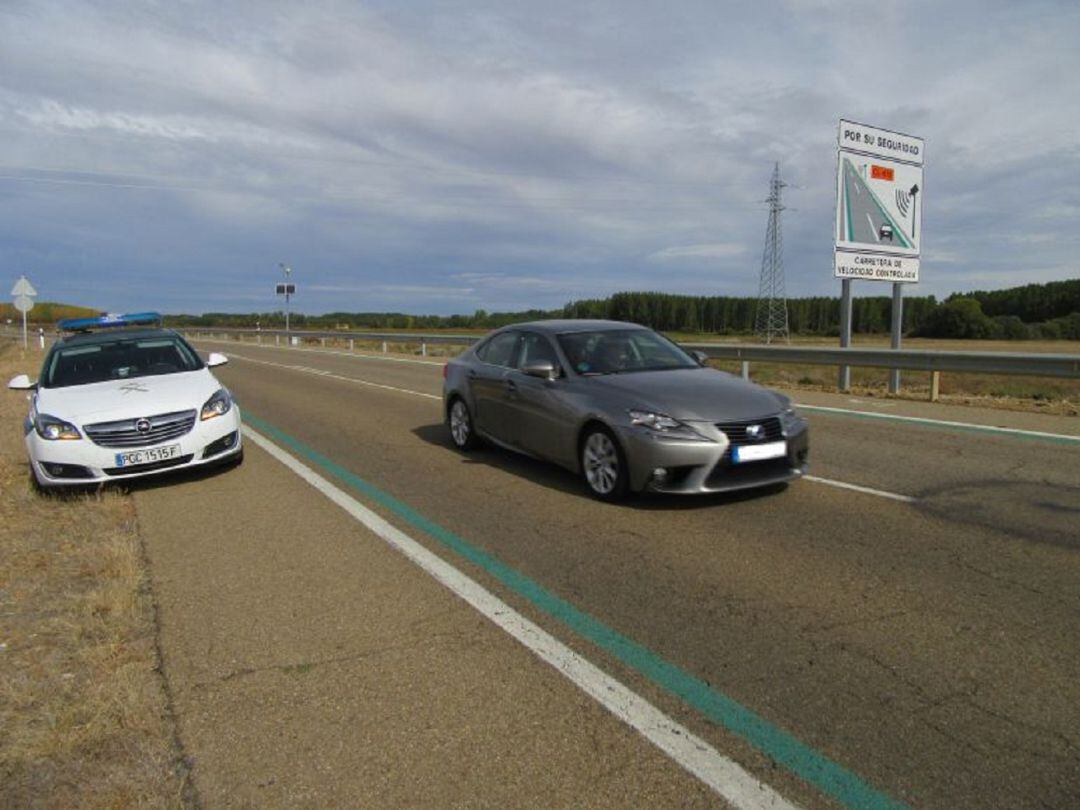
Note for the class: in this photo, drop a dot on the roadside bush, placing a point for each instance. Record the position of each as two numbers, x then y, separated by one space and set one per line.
959 318
1069 326
1011 328
1050 330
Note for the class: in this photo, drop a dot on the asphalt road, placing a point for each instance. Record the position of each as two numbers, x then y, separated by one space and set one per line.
928 644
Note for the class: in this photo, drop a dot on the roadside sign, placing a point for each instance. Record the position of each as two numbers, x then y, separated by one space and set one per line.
23 287
286 289
23 298
879 177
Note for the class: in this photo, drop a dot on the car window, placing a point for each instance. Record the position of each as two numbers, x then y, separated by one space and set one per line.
618 351
535 348
117 359
500 350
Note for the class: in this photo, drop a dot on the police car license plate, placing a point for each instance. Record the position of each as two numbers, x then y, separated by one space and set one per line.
148 456
758 452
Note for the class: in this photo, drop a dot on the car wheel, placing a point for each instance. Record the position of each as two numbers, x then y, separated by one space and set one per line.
603 465
461 425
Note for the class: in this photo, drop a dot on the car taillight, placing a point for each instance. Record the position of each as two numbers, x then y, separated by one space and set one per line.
445 370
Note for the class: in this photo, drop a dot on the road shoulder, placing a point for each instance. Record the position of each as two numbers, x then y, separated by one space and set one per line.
310 663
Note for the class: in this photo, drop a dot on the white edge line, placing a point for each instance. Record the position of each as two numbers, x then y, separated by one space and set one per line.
321 373
896 417
695 755
826 408
334 352
866 490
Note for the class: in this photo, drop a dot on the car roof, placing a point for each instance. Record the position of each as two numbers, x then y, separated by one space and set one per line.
562 326
109 335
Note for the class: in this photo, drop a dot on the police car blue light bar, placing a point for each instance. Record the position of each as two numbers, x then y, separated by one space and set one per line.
108 321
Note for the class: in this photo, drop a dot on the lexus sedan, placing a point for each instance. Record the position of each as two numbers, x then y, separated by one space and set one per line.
117 400
623 406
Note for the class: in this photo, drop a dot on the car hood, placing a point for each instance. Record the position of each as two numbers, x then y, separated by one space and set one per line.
128 399
694 394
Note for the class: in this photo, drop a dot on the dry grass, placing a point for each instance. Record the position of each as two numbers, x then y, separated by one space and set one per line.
84 717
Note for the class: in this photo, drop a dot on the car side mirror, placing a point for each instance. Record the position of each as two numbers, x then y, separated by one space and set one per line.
216 359
21 383
701 357
544 369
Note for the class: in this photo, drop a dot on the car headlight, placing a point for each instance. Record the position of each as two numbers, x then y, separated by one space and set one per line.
53 429
663 424
790 420
218 405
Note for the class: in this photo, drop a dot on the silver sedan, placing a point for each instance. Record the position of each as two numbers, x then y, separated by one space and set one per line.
624 407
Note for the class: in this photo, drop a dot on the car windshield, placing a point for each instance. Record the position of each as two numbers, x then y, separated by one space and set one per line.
118 358
621 351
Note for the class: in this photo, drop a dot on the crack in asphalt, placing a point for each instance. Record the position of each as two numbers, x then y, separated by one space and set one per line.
303 667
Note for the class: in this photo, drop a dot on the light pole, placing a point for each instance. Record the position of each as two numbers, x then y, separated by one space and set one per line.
288 272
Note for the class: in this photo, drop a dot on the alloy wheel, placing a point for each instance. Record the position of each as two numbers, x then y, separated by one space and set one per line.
601 464
460 424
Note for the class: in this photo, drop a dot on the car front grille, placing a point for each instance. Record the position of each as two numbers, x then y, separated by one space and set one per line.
772 431
124 433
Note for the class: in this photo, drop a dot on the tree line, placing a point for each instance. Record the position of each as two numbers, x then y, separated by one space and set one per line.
1047 311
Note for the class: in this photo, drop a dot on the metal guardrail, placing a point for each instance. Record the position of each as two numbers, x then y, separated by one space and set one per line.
1016 363
1033 365
280 336
368 337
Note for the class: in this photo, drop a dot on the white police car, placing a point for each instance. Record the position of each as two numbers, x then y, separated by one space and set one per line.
120 397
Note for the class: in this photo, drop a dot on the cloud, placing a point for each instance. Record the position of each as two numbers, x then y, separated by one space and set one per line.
464 155
718 250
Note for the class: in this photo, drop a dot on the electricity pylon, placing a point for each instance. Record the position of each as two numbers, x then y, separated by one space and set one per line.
771 317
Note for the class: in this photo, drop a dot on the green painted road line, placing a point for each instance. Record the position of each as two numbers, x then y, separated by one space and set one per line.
939 424
816 769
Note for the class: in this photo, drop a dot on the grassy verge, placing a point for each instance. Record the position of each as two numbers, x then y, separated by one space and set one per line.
84 715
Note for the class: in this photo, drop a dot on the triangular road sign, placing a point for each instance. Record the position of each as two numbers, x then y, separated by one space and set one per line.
23 287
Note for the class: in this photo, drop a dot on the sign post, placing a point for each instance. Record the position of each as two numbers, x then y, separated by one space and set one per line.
879 175
23 298
288 290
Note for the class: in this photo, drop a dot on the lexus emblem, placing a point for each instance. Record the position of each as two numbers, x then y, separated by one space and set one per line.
142 425
754 432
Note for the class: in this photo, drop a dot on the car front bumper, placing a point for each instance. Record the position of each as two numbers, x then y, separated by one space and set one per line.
81 462
693 467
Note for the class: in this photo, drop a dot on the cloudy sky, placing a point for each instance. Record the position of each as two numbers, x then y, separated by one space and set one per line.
445 157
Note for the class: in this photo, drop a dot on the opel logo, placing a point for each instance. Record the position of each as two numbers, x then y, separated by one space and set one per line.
142 425
754 432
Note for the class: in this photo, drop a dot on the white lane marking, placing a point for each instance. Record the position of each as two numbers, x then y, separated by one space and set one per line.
894 496
321 373
722 775
871 222
924 421
334 352
916 419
